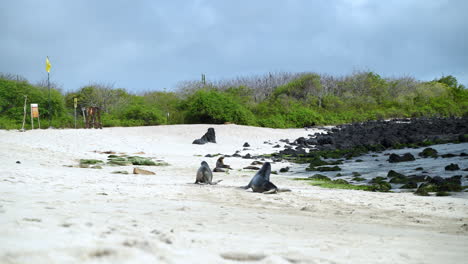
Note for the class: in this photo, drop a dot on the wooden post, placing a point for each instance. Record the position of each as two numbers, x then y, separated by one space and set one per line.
32 119
84 115
75 104
24 116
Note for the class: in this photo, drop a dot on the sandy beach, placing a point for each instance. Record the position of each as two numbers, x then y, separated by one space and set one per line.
53 213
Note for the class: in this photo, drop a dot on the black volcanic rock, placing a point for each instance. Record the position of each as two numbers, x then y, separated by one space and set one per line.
390 134
452 167
428 152
397 158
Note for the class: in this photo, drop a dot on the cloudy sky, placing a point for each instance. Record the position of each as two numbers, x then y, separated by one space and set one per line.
145 45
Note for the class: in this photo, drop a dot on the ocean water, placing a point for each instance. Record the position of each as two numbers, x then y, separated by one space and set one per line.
371 167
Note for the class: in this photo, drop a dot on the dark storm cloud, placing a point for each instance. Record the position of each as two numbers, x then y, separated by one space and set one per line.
148 45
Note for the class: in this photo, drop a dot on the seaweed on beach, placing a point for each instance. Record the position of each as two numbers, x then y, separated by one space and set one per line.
120 160
342 184
325 182
90 161
133 160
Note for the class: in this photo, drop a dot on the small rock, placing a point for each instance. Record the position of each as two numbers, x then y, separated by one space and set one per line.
397 158
410 185
452 167
251 168
246 145
448 155
256 163
393 174
18 162
120 172
421 192
142 171
286 169
247 156
340 181
418 178
324 168
358 179
319 177
397 177
377 180
428 152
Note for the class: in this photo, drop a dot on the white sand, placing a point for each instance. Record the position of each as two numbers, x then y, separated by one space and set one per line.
55 214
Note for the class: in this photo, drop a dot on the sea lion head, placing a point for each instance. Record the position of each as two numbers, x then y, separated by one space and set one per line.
266 169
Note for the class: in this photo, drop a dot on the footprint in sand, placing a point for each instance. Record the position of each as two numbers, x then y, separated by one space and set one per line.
238 256
101 253
137 244
163 237
32 219
308 208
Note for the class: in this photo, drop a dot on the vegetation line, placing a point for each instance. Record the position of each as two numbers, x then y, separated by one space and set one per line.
276 100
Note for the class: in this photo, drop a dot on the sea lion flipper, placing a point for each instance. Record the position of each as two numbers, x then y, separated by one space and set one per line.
248 186
272 191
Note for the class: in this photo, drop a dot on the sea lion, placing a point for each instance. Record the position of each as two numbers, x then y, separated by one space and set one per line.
261 181
204 175
220 166
209 136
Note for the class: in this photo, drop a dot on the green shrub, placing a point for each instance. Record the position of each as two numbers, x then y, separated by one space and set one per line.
214 107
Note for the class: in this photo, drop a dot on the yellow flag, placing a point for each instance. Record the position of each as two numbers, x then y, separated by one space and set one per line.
47 64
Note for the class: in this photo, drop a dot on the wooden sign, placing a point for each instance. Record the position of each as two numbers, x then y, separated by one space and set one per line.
35 114
34 110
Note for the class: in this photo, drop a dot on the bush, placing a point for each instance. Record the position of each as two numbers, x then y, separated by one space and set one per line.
12 95
214 107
